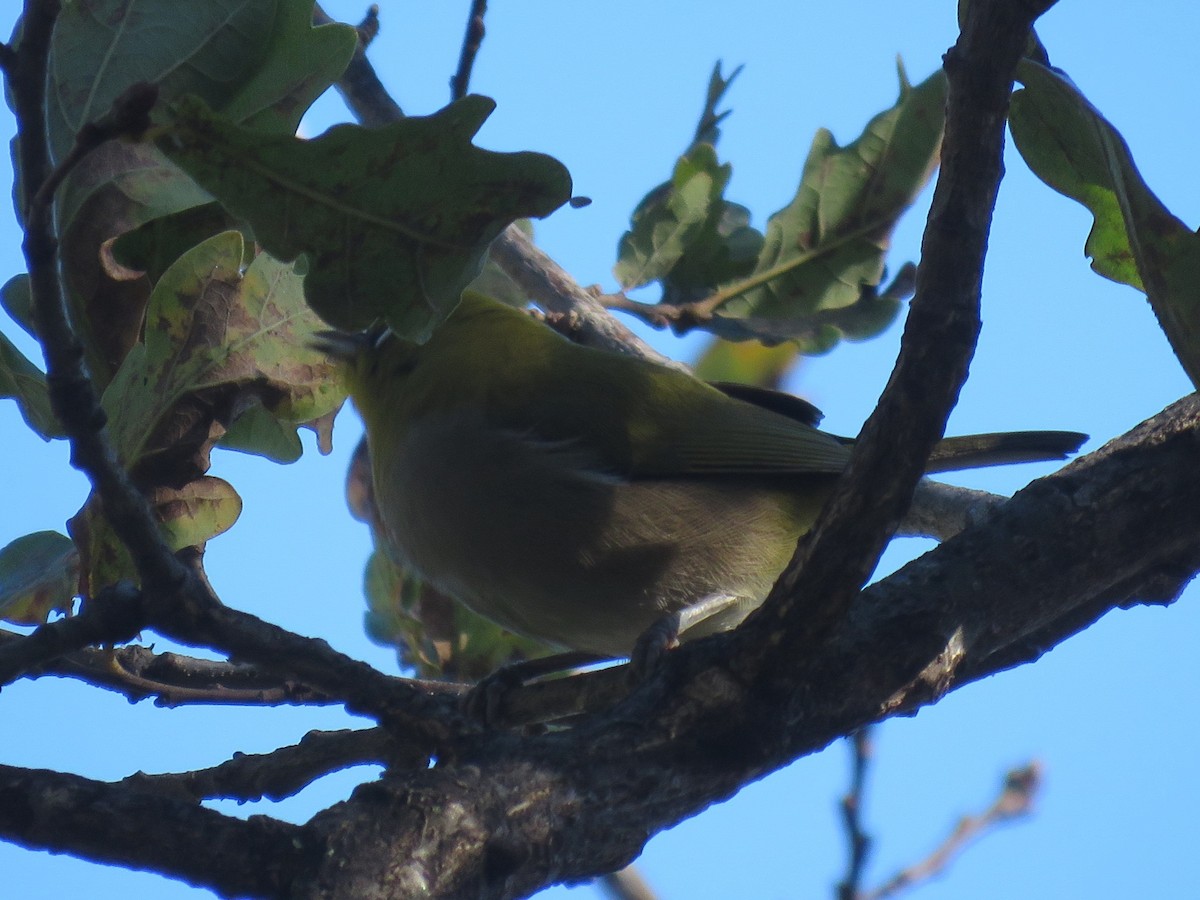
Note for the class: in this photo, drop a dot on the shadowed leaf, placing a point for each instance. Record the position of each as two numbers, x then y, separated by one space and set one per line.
816 279
38 575
395 221
237 54
683 232
24 382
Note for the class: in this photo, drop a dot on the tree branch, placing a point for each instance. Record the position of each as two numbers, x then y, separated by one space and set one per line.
138 673
1063 551
837 556
857 839
283 772
113 616
359 86
1015 801
472 41
117 824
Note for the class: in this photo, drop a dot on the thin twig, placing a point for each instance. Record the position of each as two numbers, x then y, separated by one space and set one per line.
248 777
368 28
1015 801
472 41
852 806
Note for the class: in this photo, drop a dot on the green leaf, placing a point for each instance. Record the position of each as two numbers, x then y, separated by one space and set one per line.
17 300
708 130
189 516
816 279
153 247
38 574
237 54
281 90
396 221
24 382
257 431
683 232
230 338
1134 239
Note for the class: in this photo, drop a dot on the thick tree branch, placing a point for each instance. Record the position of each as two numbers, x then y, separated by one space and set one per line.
1055 557
116 824
1085 540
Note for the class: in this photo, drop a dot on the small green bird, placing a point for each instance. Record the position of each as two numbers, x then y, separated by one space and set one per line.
578 496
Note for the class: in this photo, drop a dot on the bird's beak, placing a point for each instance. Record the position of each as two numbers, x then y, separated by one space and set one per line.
341 345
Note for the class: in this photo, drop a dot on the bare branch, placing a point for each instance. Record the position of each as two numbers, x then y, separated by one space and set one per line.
113 616
472 41
558 293
857 839
1015 801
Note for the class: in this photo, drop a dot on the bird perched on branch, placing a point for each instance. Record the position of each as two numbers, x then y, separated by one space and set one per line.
579 496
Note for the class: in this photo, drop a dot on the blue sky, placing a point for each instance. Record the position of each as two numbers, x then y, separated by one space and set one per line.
613 91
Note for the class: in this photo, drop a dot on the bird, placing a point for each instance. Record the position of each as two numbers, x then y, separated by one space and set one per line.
580 496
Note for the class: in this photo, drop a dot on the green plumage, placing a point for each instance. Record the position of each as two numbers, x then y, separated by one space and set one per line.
576 495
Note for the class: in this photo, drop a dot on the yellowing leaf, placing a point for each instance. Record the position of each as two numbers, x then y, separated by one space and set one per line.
200 510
